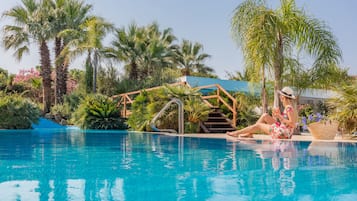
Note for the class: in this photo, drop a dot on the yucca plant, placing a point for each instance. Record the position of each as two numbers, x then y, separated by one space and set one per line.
17 112
195 111
345 108
98 112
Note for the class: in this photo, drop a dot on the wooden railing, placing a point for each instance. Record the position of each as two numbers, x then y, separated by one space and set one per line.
126 99
232 106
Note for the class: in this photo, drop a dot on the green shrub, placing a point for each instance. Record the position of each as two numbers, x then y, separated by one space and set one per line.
140 118
61 112
73 100
17 112
98 112
345 108
148 104
64 111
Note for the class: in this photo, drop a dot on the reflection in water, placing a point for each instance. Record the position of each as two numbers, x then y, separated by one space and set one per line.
283 158
328 149
96 165
75 190
19 190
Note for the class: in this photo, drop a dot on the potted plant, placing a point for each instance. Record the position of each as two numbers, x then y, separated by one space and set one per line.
320 125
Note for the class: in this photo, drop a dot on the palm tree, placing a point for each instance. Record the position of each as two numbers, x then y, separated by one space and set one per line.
267 36
88 39
245 76
68 15
145 51
31 24
189 58
157 52
345 107
127 47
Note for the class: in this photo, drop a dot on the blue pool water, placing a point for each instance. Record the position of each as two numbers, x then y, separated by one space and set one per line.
76 165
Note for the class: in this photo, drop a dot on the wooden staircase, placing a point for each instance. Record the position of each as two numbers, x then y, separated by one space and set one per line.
217 122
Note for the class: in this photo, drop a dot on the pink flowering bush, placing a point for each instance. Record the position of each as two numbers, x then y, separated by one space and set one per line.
29 81
25 76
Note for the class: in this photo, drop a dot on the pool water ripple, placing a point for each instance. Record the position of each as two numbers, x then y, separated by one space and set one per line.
108 165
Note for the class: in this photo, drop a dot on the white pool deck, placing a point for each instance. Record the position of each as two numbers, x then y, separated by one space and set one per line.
302 137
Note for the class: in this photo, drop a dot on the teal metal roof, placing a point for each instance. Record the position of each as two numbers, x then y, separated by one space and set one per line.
247 87
228 85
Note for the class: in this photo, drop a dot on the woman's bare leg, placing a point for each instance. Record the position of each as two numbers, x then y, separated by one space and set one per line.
246 135
251 129
264 119
254 128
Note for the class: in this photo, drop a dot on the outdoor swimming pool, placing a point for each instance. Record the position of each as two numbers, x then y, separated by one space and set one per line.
76 165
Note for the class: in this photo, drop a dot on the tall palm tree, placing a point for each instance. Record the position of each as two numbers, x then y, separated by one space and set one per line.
190 59
31 24
157 51
128 47
88 39
267 36
68 14
144 50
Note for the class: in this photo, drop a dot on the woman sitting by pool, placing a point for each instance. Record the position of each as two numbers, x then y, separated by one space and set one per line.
279 125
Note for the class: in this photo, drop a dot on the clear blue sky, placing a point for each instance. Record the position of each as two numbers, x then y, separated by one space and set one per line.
206 22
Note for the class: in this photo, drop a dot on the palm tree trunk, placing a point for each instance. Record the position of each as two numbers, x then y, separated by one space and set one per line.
59 75
64 77
46 76
95 69
264 94
278 68
133 73
89 73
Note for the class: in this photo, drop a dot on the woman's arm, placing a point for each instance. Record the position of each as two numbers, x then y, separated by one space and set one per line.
291 121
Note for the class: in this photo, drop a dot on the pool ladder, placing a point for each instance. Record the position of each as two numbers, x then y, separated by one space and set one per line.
180 117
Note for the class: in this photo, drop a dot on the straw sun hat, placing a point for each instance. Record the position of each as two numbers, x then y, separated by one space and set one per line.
287 92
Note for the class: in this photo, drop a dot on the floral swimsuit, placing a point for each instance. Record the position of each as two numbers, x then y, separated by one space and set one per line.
280 130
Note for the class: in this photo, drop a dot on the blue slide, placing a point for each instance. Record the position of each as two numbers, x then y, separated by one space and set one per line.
45 123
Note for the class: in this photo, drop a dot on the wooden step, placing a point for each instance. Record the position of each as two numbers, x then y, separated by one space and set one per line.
223 118
217 122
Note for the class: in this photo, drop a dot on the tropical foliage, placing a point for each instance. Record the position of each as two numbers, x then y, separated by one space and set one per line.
345 107
247 103
98 112
148 52
89 41
148 104
17 112
108 81
28 83
303 78
66 16
140 118
31 26
61 113
151 56
190 59
269 37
